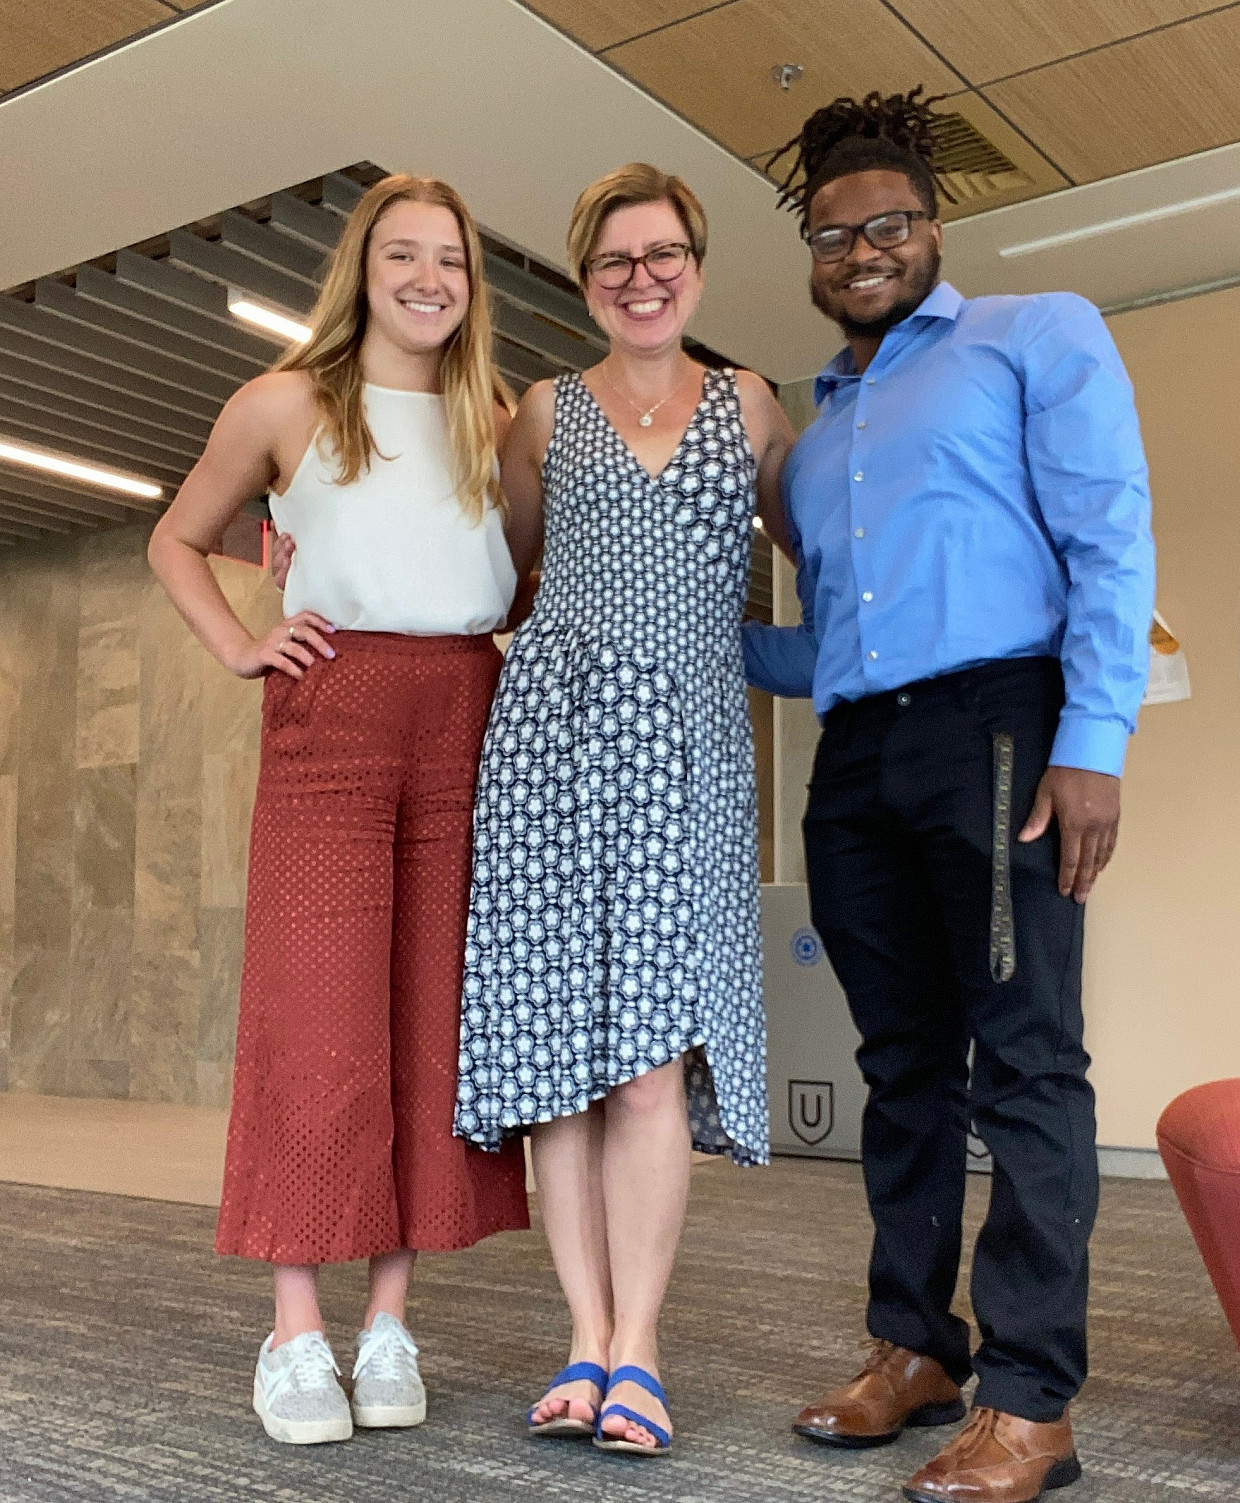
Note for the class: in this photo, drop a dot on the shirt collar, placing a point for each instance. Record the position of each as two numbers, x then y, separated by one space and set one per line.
943 301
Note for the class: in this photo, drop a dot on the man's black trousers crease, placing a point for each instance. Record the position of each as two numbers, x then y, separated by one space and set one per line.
899 835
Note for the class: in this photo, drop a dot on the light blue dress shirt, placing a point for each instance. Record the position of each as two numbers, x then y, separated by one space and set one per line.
979 493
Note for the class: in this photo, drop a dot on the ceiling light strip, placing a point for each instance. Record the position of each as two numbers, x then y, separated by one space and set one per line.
1171 295
1127 222
268 319
72 469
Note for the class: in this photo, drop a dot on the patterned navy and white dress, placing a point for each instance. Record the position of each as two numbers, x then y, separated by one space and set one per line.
614 915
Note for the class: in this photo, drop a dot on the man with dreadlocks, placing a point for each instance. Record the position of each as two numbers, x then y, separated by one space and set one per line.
971 514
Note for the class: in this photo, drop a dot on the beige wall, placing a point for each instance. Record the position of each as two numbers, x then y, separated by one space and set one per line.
127 766
1163 953
1162 961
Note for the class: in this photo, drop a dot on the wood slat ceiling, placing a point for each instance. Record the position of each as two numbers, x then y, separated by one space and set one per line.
38 37
713 69
1149 100
1068 92
125 363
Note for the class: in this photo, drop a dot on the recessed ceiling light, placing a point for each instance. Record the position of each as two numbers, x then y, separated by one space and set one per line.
268 319
1126 222
73 469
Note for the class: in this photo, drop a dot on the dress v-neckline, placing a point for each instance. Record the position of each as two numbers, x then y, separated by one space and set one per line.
654 479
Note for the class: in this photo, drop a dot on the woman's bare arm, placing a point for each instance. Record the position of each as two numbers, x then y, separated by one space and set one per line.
524 446
771 437
240 461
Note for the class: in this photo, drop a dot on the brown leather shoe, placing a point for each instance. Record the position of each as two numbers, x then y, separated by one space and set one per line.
895 1388
998 1458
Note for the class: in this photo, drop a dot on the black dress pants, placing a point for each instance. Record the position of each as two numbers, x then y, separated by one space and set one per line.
899 846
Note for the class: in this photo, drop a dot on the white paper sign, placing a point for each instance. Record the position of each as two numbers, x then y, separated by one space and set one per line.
1168 666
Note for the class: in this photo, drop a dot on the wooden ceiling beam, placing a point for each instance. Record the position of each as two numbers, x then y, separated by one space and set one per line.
75 497
51 329
95 448
225 334
46 383
233 268
23 510
73 362
69 303
66 418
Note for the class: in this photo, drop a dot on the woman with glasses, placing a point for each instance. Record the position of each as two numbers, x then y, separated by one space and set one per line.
612 1001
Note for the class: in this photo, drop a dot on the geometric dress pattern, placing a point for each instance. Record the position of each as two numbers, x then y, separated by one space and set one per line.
614 922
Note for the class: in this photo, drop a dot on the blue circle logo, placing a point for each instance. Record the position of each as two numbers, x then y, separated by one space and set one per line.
806 947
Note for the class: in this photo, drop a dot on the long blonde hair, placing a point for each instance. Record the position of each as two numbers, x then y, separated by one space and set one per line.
332 355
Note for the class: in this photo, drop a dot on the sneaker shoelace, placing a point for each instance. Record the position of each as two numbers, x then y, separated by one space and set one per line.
313 1367
387 1354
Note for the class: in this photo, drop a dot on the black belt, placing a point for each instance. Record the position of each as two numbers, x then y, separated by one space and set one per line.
1002 920
956 686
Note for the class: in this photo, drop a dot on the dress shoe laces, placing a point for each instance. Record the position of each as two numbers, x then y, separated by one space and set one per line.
982 1423
879 1350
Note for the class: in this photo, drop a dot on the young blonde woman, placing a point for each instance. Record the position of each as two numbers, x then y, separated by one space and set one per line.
612 1000
377 442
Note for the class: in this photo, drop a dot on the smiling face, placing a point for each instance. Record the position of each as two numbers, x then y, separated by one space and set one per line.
417 278
869 291
647 315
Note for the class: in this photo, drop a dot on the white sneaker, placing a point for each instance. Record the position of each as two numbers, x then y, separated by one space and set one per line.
296 1394
387 1388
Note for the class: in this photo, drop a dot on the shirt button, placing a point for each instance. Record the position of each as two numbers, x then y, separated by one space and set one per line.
858 474
869 380
868 596
904 700
862 424
859 532
872 655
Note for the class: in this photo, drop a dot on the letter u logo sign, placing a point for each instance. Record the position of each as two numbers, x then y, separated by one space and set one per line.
811 1110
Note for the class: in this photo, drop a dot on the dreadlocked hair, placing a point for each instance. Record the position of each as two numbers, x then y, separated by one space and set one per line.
893 132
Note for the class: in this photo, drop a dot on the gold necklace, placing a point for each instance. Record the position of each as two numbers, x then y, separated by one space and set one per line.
644 419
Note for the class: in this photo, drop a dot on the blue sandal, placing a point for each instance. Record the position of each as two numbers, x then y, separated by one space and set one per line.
563 1424
651 1384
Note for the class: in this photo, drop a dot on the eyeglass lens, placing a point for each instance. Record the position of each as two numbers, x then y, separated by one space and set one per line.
664 263
882 232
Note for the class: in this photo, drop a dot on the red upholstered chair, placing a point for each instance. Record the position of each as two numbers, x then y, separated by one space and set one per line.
1199 1139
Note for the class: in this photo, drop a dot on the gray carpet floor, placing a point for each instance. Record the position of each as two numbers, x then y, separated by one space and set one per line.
127 1350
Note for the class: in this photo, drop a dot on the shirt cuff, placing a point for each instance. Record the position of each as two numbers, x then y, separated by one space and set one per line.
779 659
1089 743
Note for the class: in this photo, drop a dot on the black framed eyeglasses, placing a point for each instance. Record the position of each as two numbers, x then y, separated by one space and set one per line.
664 263
883 231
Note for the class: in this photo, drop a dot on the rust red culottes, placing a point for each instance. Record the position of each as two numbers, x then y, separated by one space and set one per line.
340 1144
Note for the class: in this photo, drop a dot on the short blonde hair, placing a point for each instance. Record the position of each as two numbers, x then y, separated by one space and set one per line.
636 183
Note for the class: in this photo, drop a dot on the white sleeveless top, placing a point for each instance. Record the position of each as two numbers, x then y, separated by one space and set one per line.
394 551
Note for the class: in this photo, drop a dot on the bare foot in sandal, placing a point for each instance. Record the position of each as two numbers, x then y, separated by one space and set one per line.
570 1404
635 1394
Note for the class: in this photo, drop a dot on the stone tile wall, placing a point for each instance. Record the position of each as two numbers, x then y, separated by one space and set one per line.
127 768
128 760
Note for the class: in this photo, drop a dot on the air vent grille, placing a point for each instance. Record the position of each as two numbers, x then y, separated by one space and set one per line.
969 167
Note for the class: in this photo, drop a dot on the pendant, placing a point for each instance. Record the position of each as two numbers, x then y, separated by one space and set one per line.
645 420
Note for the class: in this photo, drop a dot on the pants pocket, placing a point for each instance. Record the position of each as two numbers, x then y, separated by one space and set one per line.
288 701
